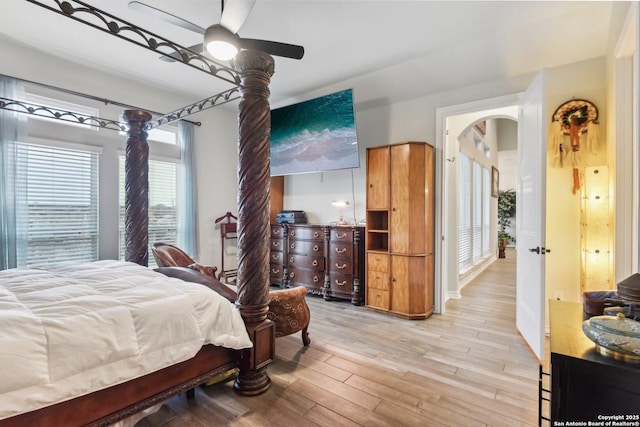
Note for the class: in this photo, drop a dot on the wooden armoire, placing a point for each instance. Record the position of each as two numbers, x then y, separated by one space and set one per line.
400 229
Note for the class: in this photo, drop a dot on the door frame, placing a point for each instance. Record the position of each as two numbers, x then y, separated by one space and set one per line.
442 244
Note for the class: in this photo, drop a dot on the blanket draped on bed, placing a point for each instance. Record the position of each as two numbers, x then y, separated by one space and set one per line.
72 330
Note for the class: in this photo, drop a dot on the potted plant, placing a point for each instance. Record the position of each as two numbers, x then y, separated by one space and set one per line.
506 211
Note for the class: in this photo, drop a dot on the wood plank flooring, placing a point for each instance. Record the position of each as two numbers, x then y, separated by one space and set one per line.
468 367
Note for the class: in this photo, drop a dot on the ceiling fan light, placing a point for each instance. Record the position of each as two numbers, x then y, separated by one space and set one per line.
222 50
220 42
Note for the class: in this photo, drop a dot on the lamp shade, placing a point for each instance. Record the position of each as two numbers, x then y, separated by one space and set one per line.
221 43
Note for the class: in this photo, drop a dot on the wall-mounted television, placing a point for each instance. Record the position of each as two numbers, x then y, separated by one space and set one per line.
314 136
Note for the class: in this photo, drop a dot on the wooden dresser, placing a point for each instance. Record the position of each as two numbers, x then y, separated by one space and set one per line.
328 260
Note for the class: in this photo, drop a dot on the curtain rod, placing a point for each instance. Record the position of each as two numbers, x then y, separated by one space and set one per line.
92 97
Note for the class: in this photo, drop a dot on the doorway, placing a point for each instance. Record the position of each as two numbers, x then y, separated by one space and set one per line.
460 117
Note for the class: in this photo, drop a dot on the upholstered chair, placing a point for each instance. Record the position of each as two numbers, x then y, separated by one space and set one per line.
288 308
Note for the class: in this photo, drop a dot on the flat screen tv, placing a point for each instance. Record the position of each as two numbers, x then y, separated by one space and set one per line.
314 136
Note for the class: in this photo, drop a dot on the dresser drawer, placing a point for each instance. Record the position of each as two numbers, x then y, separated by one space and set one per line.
303 247
342 283
276 257
341 265
277 231
337 249
309 278
378 280
377 298
306 233
341 235
276 272
378 262
304 261
277 245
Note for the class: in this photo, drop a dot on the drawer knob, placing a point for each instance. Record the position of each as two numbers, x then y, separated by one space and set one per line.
274 256
315 248
344 282
315 263
315 279
292 274
340 266
341 236
341 250
292 246
315 234
275 244
292 233
292 259
275 270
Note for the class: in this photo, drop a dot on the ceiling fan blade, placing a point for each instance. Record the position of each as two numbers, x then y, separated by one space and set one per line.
234 13
274 48
165 16
198 48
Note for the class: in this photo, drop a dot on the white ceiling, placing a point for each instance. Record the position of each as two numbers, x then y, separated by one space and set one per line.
387 49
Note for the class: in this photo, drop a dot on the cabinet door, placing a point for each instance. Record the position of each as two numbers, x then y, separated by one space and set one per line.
407 216
408 285
378 178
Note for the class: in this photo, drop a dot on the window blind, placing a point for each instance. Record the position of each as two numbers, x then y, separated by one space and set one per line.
464 211
477 211
163 220
486 220
58 210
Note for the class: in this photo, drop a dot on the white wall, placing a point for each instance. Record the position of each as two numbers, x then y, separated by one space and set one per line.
216 144
585 80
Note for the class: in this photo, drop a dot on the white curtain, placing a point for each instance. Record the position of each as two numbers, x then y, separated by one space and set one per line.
10 132
188 211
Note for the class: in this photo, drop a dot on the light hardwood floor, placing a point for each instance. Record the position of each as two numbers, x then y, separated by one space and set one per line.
468 367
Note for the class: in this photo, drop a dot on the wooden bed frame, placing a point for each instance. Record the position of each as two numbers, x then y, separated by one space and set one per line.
109 405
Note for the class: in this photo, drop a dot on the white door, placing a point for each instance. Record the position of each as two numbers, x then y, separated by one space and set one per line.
530 215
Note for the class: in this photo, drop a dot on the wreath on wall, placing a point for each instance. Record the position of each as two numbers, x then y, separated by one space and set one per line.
575 122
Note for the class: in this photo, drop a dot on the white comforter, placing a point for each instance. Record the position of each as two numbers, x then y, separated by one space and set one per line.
73 330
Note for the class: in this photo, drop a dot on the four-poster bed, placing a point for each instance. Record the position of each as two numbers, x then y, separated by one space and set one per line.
108 405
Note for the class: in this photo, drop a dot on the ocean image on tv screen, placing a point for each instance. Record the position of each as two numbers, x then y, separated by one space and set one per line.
314 136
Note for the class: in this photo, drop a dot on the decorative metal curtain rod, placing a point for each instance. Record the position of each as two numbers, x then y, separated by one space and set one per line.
134 34
91 97
205 104
54 113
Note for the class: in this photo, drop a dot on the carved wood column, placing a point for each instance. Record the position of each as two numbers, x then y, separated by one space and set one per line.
254 122
136 184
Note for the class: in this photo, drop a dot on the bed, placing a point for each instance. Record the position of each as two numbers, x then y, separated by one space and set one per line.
132 394
73 330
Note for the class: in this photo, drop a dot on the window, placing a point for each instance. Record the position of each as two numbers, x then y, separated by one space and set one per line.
473 212
58 210
477 211
486 212
464 212
163 210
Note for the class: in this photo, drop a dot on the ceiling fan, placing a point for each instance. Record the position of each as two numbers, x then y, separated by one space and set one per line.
222 40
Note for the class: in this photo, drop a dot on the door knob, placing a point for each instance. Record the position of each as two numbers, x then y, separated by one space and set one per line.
536 250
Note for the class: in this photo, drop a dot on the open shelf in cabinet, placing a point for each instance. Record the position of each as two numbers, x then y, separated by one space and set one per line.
377 230
378 220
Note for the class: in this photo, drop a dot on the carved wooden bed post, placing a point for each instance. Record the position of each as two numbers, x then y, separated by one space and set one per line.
254 122
136 204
